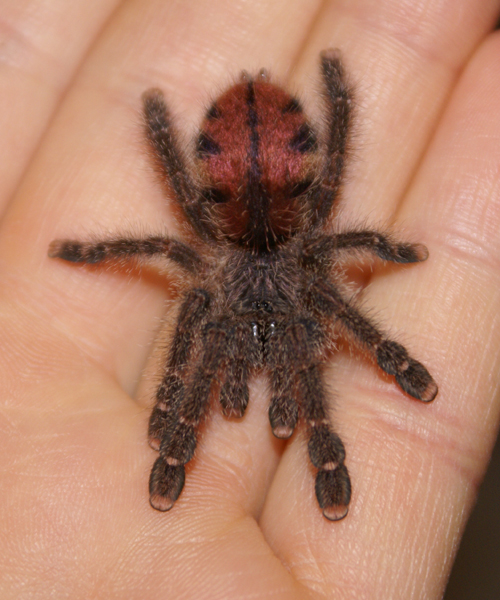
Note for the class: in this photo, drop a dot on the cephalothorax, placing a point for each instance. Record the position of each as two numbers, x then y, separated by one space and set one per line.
263 291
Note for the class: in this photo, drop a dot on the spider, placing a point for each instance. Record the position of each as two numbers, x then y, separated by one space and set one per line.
264 289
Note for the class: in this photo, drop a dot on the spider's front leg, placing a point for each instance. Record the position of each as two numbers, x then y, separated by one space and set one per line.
180 435
192 316
326 450
297 382
391 357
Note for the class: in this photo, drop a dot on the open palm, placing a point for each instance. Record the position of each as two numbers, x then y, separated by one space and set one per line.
75 520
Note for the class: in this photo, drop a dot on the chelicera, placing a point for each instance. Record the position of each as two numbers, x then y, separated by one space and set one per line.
263 290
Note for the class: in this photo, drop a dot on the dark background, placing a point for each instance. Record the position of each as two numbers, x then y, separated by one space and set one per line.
476 573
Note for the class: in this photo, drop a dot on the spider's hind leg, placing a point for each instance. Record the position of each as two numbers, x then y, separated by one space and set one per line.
338 97
172 387
169 157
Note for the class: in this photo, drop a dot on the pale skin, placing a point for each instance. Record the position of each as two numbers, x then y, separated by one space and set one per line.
75 520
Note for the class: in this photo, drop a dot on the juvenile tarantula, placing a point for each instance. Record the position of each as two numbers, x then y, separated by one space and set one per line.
263 292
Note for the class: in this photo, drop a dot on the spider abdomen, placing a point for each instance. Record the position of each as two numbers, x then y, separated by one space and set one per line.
257 152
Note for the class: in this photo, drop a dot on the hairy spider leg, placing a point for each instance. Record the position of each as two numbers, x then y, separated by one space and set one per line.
166 480
171 390
297 346
338 100
171 162
180 438
393 358
290 350
381 245
179 441
322 249
283 408
326 450
165 484
125 249
243 354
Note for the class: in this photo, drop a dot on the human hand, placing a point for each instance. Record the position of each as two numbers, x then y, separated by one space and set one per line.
75 518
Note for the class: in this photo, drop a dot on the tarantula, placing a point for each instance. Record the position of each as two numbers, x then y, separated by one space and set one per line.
264 290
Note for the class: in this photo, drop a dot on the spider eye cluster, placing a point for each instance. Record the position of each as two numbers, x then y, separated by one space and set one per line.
257 155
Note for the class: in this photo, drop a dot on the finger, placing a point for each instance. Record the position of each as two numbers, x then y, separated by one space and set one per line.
42 45
416 468
403 59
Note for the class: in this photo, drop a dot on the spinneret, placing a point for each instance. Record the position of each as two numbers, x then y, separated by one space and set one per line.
261 289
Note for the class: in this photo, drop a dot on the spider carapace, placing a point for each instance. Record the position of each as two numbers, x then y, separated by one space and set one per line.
263 289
